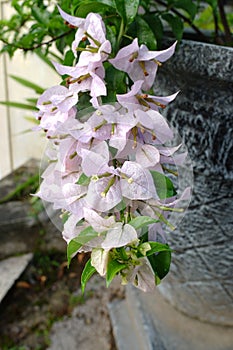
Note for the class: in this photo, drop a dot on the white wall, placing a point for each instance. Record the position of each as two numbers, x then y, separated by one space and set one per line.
16 146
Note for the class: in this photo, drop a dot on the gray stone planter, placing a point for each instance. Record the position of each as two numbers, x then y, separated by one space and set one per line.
200 282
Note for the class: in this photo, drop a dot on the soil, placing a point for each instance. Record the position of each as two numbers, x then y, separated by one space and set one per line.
48 293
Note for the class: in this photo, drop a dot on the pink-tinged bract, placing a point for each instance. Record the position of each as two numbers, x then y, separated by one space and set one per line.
108 165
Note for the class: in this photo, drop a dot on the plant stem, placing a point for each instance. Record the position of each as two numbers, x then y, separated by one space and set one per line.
185 19
216 27
121 33
228 37
32 48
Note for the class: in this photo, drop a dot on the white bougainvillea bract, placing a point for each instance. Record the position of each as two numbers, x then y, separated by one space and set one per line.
109 169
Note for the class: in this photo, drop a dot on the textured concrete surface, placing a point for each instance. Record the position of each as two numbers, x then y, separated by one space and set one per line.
180 332
132 326
89 326
19 226
200 282
148 322
10 270
18 229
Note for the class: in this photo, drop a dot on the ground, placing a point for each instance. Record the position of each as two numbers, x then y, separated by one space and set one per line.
47 298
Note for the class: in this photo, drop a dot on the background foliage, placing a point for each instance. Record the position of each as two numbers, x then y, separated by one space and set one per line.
36 24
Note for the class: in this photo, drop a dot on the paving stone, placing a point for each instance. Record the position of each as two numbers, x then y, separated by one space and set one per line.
18 229
89 326
14 214
10 270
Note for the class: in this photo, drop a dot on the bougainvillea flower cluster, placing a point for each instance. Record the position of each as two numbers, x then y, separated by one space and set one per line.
108 168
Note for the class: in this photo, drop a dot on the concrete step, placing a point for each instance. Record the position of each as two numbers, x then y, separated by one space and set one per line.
10 271
19 230
132 327
19 226
145 321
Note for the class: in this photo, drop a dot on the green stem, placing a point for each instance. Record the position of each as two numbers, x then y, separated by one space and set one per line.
123 254
109 185
121 33
177 210
128 36
94 40
165 221
173 172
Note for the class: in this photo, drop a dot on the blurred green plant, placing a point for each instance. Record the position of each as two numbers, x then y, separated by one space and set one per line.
30 103
31 183
37 25
213 17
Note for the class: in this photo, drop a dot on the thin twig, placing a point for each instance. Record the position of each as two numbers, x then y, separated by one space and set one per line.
32 48
228 37
216 26
185 19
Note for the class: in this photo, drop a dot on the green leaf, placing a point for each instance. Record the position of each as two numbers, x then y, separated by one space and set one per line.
88 271
204 19
65 217
17 7
188 5
175 23
140 28
69 58
157 247
32 120
92 6
18 105
83 180
160 263
112 270
32 100
142 249
115 80
72 249
212 3
141 221
86 235
163 185
41 15
111 33
110 3
157 280
76 243
156 25
131 7
127 9
38 89
121 10
61 44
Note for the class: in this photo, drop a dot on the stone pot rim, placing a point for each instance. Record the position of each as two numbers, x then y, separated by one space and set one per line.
203 59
